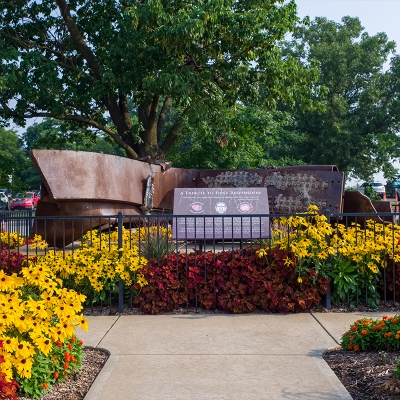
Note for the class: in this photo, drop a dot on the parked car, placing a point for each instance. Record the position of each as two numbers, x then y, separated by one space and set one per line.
378 187
24 201
7 192
4 202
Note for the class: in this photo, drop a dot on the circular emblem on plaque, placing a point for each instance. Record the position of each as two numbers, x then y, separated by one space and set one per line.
220 207
245 207
197 208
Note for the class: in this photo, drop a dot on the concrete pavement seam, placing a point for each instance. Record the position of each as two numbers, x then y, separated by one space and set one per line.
108 330
324 328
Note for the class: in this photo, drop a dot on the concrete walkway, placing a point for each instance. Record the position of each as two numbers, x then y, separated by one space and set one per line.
218 356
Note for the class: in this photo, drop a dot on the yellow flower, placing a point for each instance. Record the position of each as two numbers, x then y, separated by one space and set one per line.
301 253
67 329
261 253
299 280
23 366
24 349
288 262
10 343
372 267
43 343
23 323
323 255
6 281
83 323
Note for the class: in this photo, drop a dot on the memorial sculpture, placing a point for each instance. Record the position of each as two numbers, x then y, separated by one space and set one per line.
92 184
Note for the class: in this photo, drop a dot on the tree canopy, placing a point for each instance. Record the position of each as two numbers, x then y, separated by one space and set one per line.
12 159
358 128
119 66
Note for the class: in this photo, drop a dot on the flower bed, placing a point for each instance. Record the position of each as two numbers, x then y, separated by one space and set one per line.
355 258
38 317
233 281
288 273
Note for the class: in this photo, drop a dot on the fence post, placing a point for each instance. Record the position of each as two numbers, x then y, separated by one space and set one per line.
120 283
328 303
29 224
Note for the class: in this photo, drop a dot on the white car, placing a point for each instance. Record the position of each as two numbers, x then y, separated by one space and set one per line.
4 202
379 188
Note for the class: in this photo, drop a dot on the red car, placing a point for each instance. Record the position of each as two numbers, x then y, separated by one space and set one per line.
24 201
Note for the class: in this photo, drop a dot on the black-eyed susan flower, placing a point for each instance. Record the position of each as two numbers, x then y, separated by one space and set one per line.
10 343
24 349
23 366
44 344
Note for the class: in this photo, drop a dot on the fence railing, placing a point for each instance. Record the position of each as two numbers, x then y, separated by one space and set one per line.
158 235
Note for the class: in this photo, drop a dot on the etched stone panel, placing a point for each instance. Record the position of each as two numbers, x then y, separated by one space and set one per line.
233 179
296 204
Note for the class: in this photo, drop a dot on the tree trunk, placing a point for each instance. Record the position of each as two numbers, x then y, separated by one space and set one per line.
148 117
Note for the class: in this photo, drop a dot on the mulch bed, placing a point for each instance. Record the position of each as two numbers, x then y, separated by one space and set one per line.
366 375
77 385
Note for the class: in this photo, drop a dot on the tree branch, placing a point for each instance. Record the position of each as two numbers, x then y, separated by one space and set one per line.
123 106
163 116
153 116
78 39
85 120
172 135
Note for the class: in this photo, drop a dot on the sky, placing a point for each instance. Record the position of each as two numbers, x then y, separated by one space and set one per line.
375 15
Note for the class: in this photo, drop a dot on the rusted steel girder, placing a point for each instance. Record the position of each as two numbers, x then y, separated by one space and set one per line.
83 184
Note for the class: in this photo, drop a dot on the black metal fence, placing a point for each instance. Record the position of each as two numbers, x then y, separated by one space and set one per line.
185 234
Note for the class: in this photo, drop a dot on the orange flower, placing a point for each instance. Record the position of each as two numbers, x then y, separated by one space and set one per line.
354 328
69 345
66 366
349 346
389 334
45 386
55 375
364 332
81 342
394 320
356 348
351 338
385 317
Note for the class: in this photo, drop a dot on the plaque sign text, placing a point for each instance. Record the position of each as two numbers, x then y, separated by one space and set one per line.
220 213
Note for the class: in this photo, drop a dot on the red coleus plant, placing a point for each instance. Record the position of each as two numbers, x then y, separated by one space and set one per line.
233 281
10 260
8 390
166 287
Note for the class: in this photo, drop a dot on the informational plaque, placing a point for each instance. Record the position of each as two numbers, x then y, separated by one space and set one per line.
221 213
